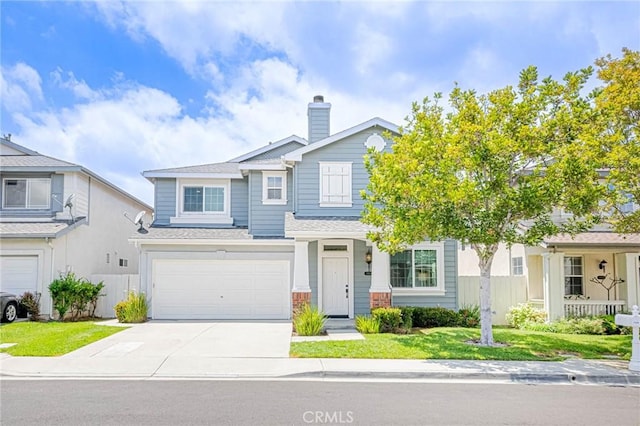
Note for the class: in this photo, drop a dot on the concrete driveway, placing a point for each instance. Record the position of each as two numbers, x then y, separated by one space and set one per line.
192 339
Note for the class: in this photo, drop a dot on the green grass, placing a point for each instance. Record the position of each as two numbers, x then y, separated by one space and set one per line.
51 338
450 343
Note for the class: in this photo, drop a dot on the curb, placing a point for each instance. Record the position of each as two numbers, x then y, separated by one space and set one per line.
624 380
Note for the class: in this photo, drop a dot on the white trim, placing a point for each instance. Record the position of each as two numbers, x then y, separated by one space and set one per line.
265 179
343 164
187 175
28 181
204 219
222 217
262 166
210 241
374 122
350 273
440 290
267 148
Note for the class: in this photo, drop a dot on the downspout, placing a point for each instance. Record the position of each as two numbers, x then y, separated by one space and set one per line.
294 187
50 244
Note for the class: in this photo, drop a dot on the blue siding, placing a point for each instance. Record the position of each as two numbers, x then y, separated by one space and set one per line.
277 152
350 149
57 188
361 282
313 271
165 198
267 220
319 120
240 201
450 299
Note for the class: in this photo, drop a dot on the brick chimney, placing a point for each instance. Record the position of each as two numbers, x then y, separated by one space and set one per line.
319 113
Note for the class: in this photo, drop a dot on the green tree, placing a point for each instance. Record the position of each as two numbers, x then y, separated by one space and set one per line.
617 131
481 170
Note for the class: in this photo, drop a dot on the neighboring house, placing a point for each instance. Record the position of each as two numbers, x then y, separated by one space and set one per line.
58 217
257 236
565 276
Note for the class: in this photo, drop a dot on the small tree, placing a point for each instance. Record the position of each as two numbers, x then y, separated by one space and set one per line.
477 173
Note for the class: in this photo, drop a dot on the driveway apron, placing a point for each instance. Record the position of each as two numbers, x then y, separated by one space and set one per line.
189 339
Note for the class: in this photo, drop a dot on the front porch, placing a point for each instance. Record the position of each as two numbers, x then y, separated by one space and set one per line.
572 281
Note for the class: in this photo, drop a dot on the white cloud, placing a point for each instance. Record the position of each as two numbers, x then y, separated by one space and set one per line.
79 88
20 86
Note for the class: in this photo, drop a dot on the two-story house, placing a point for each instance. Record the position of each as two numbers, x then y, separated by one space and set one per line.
58 217
254 237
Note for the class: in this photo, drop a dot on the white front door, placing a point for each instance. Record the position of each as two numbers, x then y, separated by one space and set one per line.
335 286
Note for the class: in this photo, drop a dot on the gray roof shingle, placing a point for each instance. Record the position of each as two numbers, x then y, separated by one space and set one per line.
31 230
33 161
193 234
202 168
320 224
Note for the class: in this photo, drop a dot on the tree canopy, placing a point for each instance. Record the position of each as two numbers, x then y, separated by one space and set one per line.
616 133
484 166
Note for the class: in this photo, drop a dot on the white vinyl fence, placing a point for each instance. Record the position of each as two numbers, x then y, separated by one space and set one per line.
116 288
505 292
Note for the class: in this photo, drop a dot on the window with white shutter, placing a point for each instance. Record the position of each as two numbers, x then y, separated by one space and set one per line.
335 184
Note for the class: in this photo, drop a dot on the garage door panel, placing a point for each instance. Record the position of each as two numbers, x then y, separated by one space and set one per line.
220 289
19 274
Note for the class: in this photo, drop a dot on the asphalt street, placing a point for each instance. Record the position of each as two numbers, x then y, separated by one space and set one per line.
279 402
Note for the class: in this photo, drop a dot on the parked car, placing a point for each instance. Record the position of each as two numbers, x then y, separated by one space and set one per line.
9 306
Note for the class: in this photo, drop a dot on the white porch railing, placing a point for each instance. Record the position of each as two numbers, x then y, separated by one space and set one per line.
583 308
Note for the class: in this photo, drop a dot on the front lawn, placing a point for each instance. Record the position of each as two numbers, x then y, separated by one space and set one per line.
51 338
450 343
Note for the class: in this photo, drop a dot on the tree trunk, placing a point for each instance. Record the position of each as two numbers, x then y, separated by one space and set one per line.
486 332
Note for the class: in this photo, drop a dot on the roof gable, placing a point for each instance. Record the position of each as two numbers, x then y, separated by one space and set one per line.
374 122
11 148
270 147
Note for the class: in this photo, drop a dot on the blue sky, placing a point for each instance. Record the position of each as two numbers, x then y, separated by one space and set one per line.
122 87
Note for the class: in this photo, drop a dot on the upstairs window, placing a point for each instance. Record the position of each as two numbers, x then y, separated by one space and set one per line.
26 193
335 185
274 187
203 199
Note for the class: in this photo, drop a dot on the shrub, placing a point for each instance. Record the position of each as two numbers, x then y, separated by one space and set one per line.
390 319
74 295
525 313
469 316
132 310
407 316
367 324
427 317
584 325
31 303
309 321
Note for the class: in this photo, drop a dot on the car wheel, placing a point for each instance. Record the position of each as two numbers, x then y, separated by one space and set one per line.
10 313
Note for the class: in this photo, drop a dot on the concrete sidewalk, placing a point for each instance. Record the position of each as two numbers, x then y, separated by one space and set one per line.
175 367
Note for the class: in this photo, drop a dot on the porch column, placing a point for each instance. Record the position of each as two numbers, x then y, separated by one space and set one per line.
301 292
380 291
553 284
632 277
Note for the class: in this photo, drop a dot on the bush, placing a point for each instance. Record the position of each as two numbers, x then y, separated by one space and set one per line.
132 310
31 303
425 317
469 316
583 325
519 316
367 324
407 316
309 321
74 295
390 319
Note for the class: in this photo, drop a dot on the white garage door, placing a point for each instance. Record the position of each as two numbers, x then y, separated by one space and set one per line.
220 289
19 274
